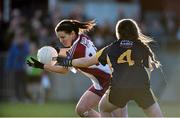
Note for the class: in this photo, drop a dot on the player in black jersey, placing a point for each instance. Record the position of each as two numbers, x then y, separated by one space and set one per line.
129 57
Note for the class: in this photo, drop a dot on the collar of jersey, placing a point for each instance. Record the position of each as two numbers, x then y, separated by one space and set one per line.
76 40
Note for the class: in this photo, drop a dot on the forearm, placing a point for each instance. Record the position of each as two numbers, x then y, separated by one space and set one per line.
84 62
56 69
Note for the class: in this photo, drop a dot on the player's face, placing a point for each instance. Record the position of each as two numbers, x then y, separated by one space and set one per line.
65 38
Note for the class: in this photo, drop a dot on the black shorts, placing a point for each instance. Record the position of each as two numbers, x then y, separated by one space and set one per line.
121 96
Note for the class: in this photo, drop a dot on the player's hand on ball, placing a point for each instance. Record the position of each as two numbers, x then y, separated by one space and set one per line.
35 63
65 61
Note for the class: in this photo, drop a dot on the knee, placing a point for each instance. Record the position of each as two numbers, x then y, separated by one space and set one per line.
102 107
81 111
106 107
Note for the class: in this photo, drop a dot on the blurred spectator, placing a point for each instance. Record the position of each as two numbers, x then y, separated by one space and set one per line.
170 23
1 31
17 23
156 30
15 64
55 16
33 76
143 27
78 13
16 20
43 37
98 39
38 84
178 33
36 20
121 14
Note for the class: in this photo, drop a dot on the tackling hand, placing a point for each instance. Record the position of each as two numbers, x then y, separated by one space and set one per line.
65 61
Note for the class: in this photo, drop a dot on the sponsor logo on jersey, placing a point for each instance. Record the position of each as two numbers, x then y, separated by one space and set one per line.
126 43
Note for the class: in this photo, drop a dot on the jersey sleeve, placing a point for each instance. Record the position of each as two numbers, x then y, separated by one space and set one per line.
102 55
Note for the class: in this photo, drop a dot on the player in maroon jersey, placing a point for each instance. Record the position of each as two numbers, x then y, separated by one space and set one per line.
70 34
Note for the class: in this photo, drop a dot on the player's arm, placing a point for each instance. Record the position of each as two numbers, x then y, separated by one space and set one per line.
52 68
89 61
85 62
56 69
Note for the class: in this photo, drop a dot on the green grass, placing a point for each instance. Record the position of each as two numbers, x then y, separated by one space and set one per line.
37 110
169 110
66 109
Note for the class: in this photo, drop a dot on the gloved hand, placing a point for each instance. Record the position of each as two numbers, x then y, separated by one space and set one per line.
35 63
65 61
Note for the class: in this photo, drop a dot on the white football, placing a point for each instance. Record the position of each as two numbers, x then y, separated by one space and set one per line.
45 55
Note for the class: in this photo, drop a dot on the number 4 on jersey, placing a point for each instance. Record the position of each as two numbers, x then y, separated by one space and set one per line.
128 59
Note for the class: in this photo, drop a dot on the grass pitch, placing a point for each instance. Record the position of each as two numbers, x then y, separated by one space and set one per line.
66 109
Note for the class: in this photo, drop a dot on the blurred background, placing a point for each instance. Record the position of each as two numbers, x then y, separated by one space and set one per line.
27 25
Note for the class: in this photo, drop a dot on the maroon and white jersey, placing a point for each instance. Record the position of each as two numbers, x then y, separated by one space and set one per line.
84 47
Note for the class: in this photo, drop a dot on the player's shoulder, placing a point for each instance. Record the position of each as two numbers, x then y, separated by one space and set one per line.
107 48
84 37
85 40
112 45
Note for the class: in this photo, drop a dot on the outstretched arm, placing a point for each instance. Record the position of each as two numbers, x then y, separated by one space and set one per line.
52 68
85 62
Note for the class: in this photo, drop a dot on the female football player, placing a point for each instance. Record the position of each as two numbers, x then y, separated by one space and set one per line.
129 57
70 34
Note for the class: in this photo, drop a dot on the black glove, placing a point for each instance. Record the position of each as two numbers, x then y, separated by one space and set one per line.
65 61
35 63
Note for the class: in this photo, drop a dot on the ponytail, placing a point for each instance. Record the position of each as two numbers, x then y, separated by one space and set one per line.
146 40
84 26
74 25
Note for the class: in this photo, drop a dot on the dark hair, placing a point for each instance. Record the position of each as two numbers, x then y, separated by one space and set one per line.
74 25
128 29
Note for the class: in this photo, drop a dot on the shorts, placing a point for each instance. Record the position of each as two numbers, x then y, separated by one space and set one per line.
105 86
121 96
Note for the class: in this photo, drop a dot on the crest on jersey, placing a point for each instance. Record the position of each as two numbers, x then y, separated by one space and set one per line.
126 43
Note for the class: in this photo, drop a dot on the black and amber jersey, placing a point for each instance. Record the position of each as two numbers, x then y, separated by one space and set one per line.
128 59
